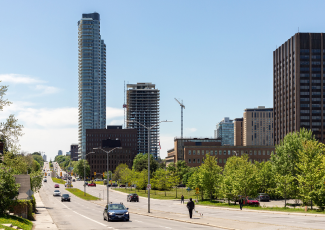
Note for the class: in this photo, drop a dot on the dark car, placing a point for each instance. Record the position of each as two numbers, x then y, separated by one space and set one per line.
116 212
132 197
65 197
91 184
73 180
122 185
263 197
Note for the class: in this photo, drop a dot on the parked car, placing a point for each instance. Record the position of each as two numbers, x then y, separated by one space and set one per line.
122 185
56 186
116 212
132 197
86 183
56 193
73 180
263 197
98 179
78 179
92 184
251 201
65 197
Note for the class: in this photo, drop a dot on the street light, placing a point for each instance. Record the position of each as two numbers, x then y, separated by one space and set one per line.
107 168
85 174
148 128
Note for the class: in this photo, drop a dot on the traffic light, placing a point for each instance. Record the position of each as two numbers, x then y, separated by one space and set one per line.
60 173
94 173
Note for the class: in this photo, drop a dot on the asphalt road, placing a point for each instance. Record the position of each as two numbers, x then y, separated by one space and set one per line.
81 214
274 221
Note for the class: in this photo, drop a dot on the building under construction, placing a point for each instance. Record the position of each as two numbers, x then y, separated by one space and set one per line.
143 108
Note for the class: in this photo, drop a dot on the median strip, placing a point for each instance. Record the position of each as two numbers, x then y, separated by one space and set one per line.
81 194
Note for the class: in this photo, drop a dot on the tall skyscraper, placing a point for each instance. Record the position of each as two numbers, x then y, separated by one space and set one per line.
60 153
298 81
92 78
258 127
225 131
238 132
143 107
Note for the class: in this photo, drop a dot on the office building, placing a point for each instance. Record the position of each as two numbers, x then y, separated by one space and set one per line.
92 78
44 158
60 153
258 127
298 81
225 131
98 138
74 152
143 107
238 132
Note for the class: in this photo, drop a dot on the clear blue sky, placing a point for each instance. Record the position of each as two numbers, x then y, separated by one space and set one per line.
216 56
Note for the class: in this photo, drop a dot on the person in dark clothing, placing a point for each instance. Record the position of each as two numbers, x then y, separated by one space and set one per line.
182 199
241 202
190 205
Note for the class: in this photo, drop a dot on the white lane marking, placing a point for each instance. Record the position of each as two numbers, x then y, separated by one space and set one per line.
168 227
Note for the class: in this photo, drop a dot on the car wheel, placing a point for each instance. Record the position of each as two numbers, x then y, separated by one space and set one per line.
104 217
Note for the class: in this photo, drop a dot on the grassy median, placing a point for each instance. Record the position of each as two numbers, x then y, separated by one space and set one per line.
58 181
164 195
15 221
81 195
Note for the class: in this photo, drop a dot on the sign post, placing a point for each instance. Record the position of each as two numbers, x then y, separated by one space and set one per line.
29 194
148 186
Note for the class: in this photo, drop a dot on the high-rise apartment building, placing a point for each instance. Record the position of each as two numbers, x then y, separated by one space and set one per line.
225 131
238 132
143 108
92 78
60 153
298 81
258 127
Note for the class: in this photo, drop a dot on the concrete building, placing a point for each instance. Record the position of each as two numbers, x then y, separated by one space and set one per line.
44 157
92 78
225 131
74 152
143 107
258 127
238 132
60 153
98 158
196 149
298 85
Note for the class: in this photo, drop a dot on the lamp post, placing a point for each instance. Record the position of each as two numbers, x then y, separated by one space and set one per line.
148 128
85 174
107 168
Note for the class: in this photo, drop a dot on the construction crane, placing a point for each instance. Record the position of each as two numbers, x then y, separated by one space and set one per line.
182 106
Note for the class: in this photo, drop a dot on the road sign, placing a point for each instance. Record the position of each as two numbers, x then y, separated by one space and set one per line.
197 189
197 192
29 193
189 189
94 173
148 186
60 173
129 184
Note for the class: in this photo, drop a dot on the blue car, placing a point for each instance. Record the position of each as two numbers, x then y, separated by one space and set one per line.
116 212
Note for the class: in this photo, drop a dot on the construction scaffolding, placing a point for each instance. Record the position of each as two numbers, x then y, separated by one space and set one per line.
143 107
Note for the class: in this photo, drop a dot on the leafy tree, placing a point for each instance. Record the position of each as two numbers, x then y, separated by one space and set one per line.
126 175
118 170
311 172
188 175
8 188
240 177
195 182
140 163
141 179
81 166
39 159
265 178
36 178
164 180
16 162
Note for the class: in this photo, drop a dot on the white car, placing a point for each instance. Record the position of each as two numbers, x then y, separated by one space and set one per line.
57 193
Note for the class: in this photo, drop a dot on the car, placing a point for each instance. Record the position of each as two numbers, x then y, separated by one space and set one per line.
132 197
122 185
45 180
78 179
251 201
263 197
86 183
73 180
116 212
92 184
65 197
56 193
98 179
56 186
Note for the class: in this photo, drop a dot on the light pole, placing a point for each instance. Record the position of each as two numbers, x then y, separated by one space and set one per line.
85 174
107 168
148 128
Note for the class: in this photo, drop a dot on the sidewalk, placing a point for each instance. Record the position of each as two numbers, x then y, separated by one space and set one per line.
43 218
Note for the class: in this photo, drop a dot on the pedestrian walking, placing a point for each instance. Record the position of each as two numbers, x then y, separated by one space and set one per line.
182 199
241 202
190 205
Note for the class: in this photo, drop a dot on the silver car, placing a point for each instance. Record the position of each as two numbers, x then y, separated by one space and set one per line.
57 193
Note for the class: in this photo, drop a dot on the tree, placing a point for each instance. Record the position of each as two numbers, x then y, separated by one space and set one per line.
36 178
39 159
311 171
118 170
126 175
195 182
141 179
140 163
81 166
8 188
164 180
239 177
265 178
16 162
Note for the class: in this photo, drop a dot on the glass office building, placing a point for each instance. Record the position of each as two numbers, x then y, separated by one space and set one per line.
225 131
92 78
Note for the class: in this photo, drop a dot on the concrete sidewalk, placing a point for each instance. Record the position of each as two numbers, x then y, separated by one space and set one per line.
43 218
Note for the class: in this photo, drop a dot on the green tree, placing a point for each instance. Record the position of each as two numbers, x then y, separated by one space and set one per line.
140 163
265 178
188 175
8 188
311 172
118 170
16 162
164 180
240 177
81 166
141 179
39 159
36 178
195 182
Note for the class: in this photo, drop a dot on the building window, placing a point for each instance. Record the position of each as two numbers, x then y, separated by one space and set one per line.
189 152
268 152
215 152
189 160
242 152
229 152
193 160
211 152
193 152
198 152
224 152
220 152
250 152
220 160
259 152
224 160
202 152
255 152
263 152
198 160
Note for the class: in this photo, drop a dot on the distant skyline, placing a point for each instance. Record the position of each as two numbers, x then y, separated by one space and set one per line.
216 56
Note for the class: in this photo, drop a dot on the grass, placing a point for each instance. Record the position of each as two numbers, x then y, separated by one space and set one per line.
261 208
15 221
99 182
80 194
58 181
156 194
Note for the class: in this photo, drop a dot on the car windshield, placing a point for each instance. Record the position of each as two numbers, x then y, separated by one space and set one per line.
249 198
56 190
133 194
116 207
65 195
